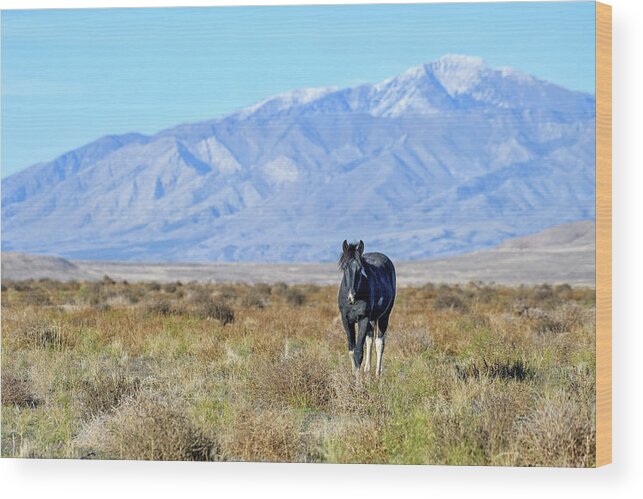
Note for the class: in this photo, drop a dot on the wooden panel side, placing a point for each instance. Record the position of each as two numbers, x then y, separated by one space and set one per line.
603 234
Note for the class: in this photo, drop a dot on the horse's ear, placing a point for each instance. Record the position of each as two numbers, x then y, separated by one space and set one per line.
360 247
344 245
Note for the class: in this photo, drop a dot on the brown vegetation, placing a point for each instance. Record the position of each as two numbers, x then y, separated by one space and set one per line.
473 374
147 427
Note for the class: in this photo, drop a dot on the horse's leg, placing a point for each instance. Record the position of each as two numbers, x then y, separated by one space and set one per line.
362 327
382 325
350 336
372 330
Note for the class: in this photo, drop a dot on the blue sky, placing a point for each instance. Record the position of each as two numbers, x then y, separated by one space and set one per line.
71 76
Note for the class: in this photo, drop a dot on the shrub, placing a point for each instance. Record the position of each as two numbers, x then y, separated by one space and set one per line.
546 324
217 310
356 440
268 436
16 391
575 316
199 295
299 380
21 286
560 431
41 334
160 307
36 297
507 369
522 308
477 426
133 294
279 288
357 399
90 293
252 299
563 319
487 294
449 301
226 292
263 289
295 297
564 291
148 427
105 391
543 292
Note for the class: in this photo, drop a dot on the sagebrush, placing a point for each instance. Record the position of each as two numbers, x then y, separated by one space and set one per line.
474 374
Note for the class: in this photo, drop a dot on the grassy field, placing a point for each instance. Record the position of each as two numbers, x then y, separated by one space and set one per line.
473 374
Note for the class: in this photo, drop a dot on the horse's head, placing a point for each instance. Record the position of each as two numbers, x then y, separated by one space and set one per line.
351 264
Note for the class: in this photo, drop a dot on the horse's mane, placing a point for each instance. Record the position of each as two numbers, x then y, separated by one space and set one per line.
350 253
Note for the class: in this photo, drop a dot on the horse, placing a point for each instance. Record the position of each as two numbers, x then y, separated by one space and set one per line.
365 299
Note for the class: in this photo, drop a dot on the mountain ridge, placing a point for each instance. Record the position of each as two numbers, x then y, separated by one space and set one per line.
446 158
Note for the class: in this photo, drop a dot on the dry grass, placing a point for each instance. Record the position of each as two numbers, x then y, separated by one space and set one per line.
411 342
473 374
39 333
448 301
272 436
104 391
295 297
296 380
357 440
558 433
148 427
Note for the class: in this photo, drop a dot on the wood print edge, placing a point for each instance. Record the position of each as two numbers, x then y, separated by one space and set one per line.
603 234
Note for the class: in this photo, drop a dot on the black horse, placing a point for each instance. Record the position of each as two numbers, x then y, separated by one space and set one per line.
366 298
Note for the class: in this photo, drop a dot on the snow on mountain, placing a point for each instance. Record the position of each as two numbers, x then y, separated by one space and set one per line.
448 157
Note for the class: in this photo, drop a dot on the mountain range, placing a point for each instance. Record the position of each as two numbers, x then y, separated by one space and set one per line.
446 158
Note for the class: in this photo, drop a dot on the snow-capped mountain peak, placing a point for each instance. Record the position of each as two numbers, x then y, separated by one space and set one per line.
447 157
286 100
458 73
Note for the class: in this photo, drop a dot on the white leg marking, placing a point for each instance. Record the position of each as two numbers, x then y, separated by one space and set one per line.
379 346
367 361
351 356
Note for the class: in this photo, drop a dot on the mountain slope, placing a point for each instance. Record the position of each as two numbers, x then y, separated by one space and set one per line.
447 158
